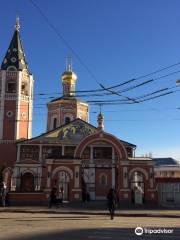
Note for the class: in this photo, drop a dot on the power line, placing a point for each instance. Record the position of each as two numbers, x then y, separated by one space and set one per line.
137 78
60 36
105 93
116 102
152 73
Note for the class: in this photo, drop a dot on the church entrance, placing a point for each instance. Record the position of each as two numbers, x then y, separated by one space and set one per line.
63 185
137 188
27 182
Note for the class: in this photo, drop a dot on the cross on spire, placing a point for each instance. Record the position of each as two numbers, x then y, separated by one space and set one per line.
69 63
17 25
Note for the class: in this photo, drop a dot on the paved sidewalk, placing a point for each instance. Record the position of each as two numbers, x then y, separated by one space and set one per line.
94 208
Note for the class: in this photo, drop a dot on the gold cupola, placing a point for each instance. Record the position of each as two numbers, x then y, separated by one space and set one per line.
69 80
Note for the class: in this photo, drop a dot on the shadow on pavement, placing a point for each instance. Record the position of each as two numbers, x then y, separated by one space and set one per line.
99 233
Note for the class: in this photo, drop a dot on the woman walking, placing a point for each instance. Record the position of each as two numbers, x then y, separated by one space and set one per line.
112 201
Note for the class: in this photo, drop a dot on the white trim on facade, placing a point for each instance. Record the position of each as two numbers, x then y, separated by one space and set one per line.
18 99
62 168
138 169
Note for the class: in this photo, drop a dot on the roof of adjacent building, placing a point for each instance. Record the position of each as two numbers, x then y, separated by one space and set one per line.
139 159
165 161
15 56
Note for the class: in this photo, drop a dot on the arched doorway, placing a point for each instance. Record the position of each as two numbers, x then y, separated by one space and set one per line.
137 187
63 180
27 182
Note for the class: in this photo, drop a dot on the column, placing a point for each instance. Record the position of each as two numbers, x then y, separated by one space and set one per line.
113 168
91 154
62 150
40 153
151 178
18 152
49 176
39 177
76 181
125 177
113 156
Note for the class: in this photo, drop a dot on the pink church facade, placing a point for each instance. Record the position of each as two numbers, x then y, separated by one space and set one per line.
73 155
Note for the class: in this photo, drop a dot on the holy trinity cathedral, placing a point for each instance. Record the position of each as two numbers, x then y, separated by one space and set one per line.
73 155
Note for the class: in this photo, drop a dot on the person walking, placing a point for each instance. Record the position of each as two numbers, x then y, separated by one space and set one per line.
53 197
112 201
3 191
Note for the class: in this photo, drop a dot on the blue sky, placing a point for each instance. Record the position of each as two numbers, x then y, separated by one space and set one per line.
117 40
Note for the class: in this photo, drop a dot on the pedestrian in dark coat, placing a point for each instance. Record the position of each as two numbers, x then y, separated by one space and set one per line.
53 197
3 192
111 202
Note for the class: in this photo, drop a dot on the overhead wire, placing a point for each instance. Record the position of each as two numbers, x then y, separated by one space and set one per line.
109 93
60 36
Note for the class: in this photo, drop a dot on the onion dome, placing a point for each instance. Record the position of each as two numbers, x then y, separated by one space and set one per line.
69 79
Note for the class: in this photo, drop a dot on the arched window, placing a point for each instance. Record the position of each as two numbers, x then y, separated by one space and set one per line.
137 184
24 88
12 68
55 123
67 120
103 180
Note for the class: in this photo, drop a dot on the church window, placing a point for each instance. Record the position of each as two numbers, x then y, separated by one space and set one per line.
30 152
129 152
24 88
102 152
66 89
103 180
11 87
86 153
54 123
13 59
67 120
12 68
69 151
52 152
9 114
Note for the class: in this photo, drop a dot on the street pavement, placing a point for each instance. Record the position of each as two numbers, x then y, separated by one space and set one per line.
96 208
66 226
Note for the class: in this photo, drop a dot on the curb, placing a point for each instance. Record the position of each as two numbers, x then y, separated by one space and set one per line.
88 212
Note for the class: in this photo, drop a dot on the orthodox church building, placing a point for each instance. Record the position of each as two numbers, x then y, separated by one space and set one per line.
73 155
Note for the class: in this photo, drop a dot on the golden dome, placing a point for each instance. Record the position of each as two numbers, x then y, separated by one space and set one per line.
68 75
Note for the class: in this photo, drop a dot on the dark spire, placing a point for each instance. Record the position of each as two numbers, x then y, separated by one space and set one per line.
15 56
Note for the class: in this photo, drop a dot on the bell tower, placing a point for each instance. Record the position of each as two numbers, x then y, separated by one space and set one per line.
67 108
16 92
